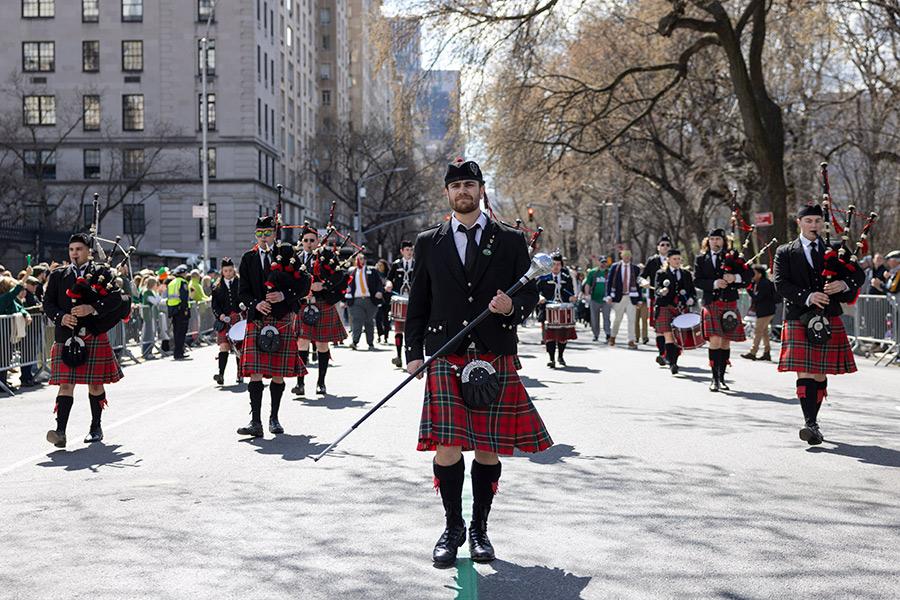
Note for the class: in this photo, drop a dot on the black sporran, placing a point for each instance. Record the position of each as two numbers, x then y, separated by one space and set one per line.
219 326
74 353
818 327
311 314
269 339
729 321
480 384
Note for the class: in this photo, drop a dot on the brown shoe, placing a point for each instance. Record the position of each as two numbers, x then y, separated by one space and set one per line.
632 345
612 341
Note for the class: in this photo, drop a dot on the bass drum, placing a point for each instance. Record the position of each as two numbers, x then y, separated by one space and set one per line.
688 331
238 331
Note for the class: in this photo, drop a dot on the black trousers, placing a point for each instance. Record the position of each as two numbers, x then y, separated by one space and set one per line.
383 320
179 330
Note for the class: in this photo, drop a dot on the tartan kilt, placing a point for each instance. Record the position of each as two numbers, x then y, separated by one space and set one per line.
222 336
664 319
797 354
651 306
100 367
328 329
512 422
284 362
712 321
557 335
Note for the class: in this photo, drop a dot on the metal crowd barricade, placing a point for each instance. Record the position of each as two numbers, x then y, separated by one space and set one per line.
24 351
872 323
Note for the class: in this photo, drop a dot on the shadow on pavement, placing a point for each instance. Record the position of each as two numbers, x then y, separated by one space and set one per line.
515 581
762 397
530 382
873 455
332 402
552 455
289 447
91 457
578 369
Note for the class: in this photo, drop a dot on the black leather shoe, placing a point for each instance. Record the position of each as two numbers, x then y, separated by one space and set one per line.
561 361
299 390
660 360
447 546
811 434
253 429
320 389
552 364
275 426
714 384
219 379
56 438
674 369
722 385
749 356
766 356
94 435
480 547
397 362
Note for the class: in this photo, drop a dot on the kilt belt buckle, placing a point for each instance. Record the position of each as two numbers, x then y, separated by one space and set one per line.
269 340
480 384
729 321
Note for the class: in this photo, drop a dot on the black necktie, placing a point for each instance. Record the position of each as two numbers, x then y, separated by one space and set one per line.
471 245
267 262
818 258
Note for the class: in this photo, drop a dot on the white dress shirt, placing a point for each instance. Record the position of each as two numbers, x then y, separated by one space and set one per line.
462 239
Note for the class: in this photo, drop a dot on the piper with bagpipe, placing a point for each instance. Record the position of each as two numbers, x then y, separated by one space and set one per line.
675 295
271 283
84 302
230 325
815 278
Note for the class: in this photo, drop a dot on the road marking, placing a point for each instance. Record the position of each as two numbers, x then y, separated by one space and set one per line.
127 419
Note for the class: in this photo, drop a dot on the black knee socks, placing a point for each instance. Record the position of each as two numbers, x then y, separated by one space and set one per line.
98 402
323 366
275 391
63 409
304 354
449 481
223 361
551 350
560 348
671 353
714 362
807 392
724 357
661 344
485 480
256 393
821 392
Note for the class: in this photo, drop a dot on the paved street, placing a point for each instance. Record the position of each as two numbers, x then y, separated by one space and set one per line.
656 488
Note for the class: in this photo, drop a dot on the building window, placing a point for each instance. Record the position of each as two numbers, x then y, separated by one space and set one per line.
212 222
325 16
211 108
91 163
326 42
91 113
40 164
258 116
133 112
326 97
132 10
204 10
38 57
132 162
325 71
289 37
38 9
132 55
87 216
90 11
210 57
90 56
133 222
211 153
40 110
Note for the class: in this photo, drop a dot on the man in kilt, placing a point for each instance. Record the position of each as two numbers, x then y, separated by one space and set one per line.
271 282
648 275
721 317
675 292
462 266
328 328
226 308
799 278
73 320
400 276
556 286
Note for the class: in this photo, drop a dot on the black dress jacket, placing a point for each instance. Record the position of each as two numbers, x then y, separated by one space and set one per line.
795 280
547 288
764 297
226 300
373 283
705 276
57 303
678 290
252 286
654 264
396 274
444 298
614 283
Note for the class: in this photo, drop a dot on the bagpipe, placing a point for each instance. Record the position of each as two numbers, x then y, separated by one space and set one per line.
733 260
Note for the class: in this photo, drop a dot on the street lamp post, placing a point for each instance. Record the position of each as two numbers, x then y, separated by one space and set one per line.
204 129
361 195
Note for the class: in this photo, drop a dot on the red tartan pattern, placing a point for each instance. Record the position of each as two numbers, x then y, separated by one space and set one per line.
222 336
101 365
712 321
651 307
328 329
284 362
557 335
797 354
664 319
511 422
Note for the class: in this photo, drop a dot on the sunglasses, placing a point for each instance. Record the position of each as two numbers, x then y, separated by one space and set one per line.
309 240
666 244
264 232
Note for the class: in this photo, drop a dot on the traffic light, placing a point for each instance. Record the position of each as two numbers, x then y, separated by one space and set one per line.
531 214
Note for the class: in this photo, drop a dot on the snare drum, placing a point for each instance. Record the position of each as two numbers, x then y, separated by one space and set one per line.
688 331
237 332
560 315
399 304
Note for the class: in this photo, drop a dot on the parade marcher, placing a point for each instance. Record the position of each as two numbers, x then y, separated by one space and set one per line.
363 295
764 301
595 290
721 317
653 265
329 283
624 294
383 315
226 308
178 308
556 286
462 267
83 304
799 279
400 276
675 294
271 282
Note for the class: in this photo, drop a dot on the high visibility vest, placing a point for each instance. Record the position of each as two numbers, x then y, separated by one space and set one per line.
174 289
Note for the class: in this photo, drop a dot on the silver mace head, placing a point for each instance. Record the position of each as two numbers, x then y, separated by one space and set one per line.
541 264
